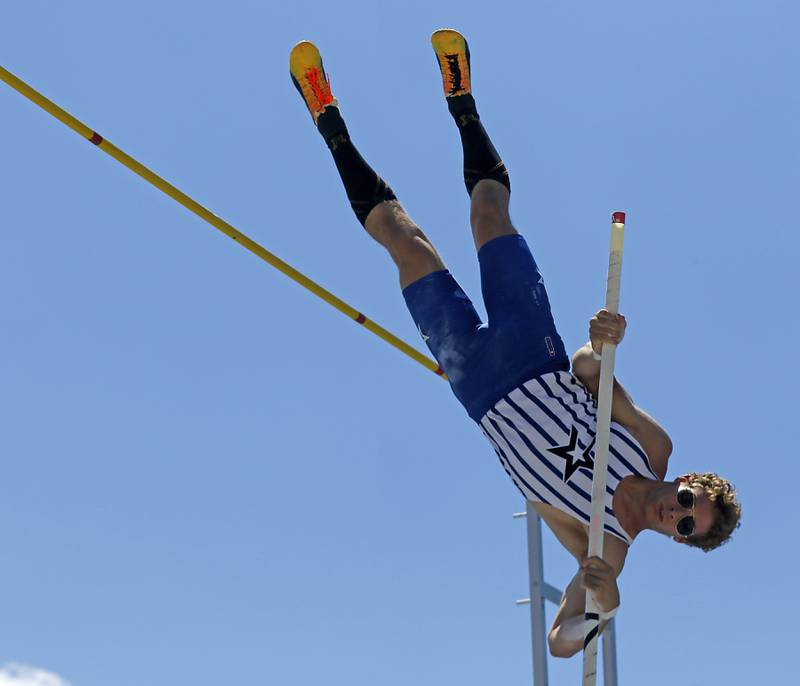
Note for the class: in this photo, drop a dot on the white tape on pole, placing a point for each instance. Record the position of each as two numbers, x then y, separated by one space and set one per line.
592 623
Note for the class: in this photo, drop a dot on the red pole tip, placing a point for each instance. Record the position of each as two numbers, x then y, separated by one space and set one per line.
618 217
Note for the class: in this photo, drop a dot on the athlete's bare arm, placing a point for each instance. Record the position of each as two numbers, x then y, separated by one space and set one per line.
566 635
605 327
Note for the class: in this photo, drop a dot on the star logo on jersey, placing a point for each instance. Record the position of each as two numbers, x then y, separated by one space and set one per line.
568 453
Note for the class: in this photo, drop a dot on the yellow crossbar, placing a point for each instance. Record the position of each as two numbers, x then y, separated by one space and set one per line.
193 206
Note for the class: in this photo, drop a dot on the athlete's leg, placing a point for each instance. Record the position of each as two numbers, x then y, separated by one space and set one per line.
412 252
485 175
523 336
372 200
488 214
376 206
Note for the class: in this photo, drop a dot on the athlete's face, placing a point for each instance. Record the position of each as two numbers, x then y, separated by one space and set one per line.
678 509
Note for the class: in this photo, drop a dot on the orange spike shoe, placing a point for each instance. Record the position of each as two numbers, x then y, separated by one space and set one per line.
310 79
452 53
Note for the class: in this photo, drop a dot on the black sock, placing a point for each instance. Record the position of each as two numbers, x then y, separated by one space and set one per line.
363 186
481 160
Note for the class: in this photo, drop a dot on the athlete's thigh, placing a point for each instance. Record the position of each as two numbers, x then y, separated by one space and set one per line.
447 322
516 300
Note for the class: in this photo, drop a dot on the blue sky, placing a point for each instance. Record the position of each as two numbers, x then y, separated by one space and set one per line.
212 477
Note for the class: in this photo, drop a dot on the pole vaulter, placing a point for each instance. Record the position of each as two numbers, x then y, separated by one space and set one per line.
533 402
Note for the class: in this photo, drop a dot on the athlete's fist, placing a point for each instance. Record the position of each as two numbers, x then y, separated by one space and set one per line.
597 576
605 327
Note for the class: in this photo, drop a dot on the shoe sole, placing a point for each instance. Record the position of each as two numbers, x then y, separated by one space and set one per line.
452 53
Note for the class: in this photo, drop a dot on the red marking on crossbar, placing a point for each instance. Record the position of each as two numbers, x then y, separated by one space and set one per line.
439 371
618 217
96 138
361 318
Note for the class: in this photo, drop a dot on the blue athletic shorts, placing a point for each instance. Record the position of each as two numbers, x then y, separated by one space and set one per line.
484 362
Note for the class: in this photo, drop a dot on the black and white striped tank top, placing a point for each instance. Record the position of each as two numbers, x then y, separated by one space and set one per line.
544 433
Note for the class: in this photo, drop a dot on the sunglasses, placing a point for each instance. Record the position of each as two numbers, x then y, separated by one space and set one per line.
685 526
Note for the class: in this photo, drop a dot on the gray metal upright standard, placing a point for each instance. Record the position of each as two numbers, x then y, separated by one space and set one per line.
540 591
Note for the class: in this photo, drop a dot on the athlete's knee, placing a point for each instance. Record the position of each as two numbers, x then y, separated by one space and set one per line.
489 204
490 192
491 220
387 219
411 246
407 244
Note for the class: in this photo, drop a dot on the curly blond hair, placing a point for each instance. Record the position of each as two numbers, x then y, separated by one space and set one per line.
727 510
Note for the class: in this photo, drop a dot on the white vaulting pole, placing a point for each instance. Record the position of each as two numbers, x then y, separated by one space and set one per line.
592 623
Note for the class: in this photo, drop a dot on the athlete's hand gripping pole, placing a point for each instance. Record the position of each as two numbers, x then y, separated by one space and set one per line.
592 619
